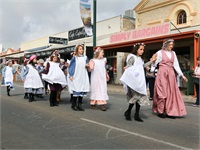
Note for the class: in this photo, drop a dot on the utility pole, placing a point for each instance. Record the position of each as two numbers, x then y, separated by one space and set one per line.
94 23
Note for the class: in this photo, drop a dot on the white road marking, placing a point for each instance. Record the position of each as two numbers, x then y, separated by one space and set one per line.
136 134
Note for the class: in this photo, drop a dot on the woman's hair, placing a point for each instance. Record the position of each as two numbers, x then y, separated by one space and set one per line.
56 55
198 58
166 43
77 47
136 48
97 52
32 63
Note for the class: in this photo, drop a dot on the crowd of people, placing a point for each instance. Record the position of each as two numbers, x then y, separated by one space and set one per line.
54 74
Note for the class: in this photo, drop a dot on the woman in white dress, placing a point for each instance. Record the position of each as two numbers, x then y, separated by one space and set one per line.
33 83
55 77
8 72
78 75
99 78
134 82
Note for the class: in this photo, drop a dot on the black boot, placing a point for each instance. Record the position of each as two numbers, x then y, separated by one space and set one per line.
127 113
8 90
30 97
26 96
137 117
80 102
74 104
71 98
55 103
51 96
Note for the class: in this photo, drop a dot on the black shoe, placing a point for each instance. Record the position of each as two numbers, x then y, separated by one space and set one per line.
26 97
137 118
8 94
55 104
80 108
171 117
74 108
128 116
162 115
30 100
51 105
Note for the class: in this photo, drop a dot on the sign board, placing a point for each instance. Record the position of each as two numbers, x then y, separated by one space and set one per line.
77 34
151 31
58 40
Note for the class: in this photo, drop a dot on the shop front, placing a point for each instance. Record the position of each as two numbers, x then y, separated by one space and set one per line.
186 48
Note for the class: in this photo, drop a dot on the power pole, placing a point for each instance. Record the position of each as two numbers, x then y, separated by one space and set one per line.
94 23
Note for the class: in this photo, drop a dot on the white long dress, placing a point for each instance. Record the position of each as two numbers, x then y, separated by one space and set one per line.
98 80
9 76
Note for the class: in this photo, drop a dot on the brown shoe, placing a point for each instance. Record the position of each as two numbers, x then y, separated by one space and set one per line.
93 107
103 108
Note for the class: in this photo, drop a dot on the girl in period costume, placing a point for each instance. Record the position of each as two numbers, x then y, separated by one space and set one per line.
55 77
78 75
99 78
24 69
8 72
167 97
33 83
134 82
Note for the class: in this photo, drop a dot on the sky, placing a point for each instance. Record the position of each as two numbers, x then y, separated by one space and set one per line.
26 20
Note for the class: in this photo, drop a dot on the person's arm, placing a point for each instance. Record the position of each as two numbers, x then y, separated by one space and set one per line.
158 60
71 68
4 71
177 68
91 65
46 70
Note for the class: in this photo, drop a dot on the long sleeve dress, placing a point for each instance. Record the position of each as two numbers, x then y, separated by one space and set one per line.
80 84
134 82
167 96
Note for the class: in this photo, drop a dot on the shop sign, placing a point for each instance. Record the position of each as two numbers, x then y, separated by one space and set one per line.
77 34
153 31
70 49
43 53
58 40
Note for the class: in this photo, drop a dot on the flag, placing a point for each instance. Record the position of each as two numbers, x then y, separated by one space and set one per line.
85 10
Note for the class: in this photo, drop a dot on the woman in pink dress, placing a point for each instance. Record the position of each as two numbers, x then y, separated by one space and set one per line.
99 78
168 101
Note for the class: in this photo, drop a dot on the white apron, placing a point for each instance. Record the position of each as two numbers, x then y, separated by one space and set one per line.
33 79
98 81
80 81
134 76
9 76
55 75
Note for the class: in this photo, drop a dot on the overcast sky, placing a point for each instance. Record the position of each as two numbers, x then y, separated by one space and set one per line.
25 20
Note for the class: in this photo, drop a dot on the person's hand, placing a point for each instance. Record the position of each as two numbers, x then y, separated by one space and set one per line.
107 78
87 65
184 78
153 58
125 67
71 78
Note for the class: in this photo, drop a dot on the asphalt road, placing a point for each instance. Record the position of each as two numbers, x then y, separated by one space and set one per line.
35 125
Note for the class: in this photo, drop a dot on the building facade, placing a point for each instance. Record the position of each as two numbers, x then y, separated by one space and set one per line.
157 20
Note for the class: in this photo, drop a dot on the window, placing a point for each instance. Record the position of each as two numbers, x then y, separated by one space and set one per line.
182 17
